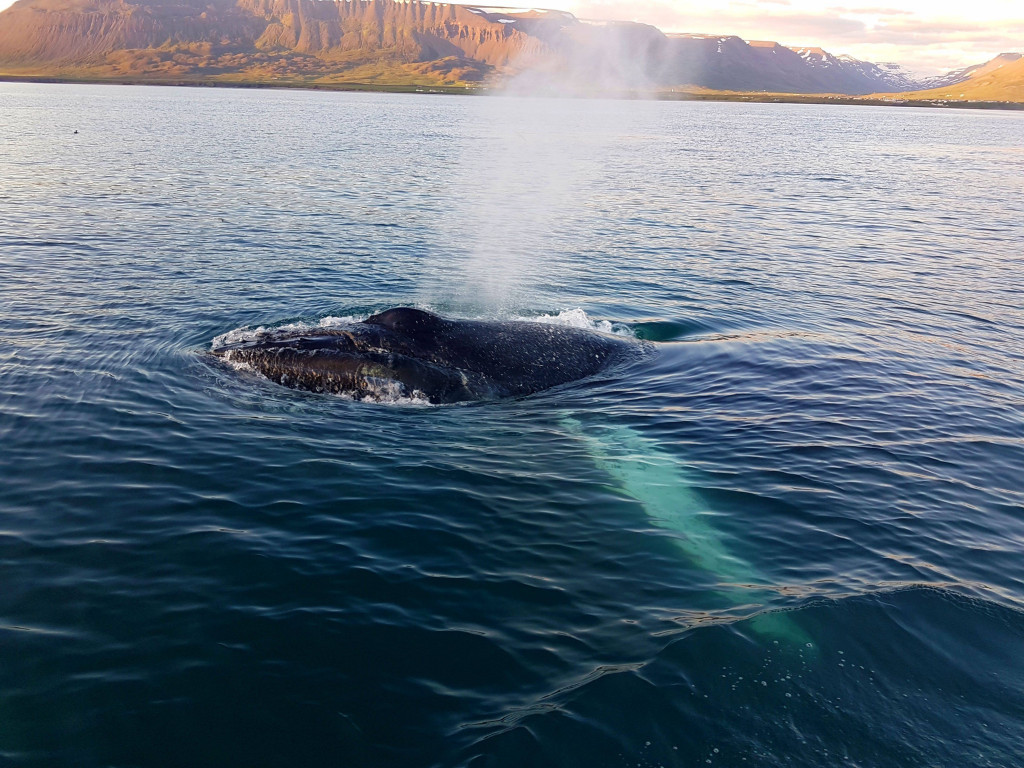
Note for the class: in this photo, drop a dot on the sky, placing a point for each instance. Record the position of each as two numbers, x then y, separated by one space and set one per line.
925 36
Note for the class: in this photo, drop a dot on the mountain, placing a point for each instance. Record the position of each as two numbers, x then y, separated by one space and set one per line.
405 42
297 40
1001 79
858 73
731 64
967 73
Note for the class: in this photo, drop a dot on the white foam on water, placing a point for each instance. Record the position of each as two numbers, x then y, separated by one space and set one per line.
240 365
246 333
416 399
333 321
578 318
238 335
390 392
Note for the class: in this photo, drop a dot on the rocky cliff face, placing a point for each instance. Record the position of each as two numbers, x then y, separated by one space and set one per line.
56 32
313 38
409 31
324 41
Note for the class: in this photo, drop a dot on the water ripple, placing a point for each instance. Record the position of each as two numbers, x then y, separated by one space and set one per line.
791 534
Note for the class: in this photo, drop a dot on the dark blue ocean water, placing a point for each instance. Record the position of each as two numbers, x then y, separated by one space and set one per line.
792 534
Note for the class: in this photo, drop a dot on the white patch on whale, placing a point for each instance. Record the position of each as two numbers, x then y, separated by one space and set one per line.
656 480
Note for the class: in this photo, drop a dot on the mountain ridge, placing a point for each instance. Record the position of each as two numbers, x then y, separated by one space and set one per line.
325 42
1000 79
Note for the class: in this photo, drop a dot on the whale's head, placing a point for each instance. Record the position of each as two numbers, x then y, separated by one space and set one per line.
411 353
375 359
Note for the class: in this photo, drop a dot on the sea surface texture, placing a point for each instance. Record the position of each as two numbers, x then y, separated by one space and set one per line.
790 533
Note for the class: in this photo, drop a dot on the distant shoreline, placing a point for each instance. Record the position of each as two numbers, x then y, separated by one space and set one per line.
474 90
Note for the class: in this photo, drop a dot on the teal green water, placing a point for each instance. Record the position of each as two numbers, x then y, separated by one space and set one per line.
790 534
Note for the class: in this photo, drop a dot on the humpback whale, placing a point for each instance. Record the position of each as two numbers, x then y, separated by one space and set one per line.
406 352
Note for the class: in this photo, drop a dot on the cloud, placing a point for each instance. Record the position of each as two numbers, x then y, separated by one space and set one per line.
815 28
870 11
926 31
770 23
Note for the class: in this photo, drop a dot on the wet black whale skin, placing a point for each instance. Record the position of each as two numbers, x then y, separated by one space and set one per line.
412 352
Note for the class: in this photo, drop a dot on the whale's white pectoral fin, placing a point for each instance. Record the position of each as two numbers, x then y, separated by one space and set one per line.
657 482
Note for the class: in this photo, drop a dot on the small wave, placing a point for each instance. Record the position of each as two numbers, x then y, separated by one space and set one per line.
248 333
390 392
578 318
239 365
334 321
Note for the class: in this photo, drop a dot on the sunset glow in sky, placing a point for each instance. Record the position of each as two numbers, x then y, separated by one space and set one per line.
926 36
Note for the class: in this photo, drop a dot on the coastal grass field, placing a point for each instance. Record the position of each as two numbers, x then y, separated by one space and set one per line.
414 83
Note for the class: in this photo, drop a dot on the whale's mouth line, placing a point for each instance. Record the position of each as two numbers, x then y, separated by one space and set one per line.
372 374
